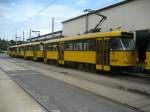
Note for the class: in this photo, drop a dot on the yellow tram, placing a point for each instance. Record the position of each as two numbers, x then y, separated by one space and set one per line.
103 51
33 50
12 51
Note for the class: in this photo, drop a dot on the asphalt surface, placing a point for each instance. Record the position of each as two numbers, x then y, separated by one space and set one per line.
56 95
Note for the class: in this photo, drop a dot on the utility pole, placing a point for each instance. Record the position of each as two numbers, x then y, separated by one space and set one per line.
7 44
23 36
30 34
16 38
53 26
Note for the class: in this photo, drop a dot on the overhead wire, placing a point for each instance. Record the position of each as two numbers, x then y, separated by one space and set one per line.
47 6
30 18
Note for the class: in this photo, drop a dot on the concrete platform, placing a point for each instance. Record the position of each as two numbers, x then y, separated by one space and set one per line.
14 99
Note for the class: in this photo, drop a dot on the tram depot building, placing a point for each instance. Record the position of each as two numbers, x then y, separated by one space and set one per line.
129 15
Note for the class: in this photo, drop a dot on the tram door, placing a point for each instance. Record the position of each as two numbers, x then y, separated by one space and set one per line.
45 53
34 51
61 53
102 54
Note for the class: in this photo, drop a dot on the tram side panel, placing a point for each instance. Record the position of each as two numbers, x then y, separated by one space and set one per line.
14 52
95 51
51 54
28 51
38 51
22 51
147 61
80 52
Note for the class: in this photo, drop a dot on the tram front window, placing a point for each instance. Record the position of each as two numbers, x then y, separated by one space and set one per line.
122 44
148 47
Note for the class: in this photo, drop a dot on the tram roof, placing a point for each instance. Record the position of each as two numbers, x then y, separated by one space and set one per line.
27 44
84 36
92 35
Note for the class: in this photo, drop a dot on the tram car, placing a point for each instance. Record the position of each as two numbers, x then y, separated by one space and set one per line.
33 50
103 51
12 51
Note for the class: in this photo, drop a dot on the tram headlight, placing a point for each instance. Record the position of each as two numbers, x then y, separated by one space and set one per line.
137 60
145 61
126 60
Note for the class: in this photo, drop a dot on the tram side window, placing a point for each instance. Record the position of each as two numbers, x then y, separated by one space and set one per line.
48 47
92 45
52 47
55 47
77 45
26 48
68 45
85 45
17 48
29 48
39 47
21 48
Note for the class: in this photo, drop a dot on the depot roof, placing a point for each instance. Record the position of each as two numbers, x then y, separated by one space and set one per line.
105 8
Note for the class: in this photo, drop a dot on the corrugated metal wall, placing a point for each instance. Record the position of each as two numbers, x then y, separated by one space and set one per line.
131 16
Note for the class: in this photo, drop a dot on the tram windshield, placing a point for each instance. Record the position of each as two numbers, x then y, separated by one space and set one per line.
122 44
148 47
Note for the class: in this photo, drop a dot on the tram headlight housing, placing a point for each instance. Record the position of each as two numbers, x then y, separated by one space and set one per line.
137 60
126 60
145 61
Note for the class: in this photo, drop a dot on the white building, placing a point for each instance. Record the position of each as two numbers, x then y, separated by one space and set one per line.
131 15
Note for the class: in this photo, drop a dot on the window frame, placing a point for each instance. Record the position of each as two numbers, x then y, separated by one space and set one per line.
52 46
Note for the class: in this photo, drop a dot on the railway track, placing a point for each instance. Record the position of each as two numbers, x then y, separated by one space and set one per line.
130 76
136 77
128 81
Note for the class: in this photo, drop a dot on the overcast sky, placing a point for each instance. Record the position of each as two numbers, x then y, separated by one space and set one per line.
19 15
